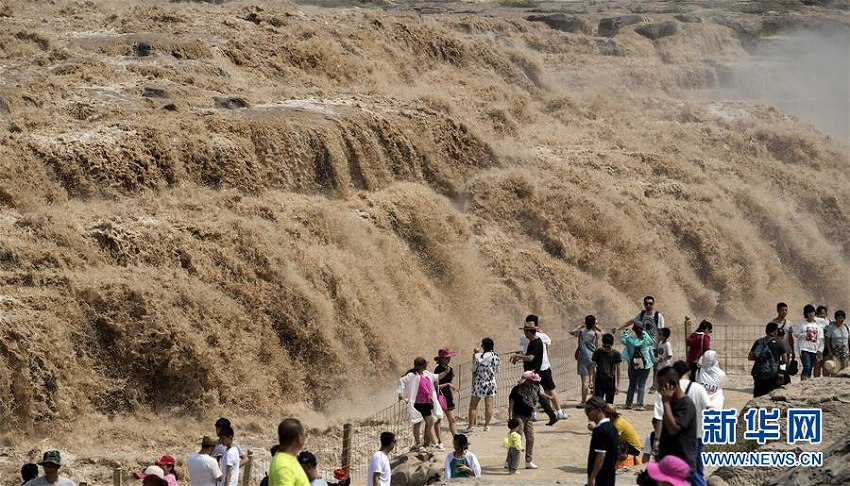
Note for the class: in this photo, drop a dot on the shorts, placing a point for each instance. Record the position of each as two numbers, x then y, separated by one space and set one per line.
546 380
583 367
424 408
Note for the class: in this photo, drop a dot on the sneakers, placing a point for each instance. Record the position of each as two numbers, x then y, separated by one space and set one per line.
467 430
627 407
486 428
580 405
439 447
531 465
562 414
534 416
553 420
639 408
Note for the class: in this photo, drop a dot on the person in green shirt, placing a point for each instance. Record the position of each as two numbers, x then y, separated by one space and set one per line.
285 469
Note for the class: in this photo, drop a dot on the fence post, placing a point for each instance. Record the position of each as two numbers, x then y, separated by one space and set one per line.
117 476
687 333
246 473
346 447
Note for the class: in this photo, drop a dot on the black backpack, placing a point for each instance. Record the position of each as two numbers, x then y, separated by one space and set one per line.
766 365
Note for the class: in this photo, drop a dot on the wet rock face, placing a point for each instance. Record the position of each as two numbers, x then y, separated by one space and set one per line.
416 469
657 30
562 22
609 27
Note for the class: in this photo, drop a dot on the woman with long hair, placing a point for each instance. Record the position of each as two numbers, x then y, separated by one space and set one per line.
485 365
445 392
417 388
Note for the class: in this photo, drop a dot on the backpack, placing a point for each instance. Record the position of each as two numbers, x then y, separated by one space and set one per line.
638 362
766 365
650 324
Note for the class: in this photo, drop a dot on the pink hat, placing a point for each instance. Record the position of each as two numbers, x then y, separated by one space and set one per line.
445 353
670 469
530 375
166 459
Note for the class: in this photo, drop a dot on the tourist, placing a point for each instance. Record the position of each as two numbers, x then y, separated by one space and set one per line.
445 389
699 396
29 472
521 404
640 360
532 360
785 330
547 382
229 462
652 320
602 453
310 465
378 473
605 369
670 471
485 365
626 433
460 463
837 334
810 341
167 463
50 463
663 351
769 352
417 388
711 377
823 320
650 445
220 449
588 341
204 470
696 344
513 443
678 435
284 469
153 476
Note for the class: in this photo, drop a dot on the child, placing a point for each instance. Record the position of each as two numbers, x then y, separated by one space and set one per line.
513 443
605 369
663 349
649 444
378 472
460 463
602 454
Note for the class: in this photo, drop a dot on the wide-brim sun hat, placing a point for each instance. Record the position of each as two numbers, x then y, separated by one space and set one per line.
830 365
445 353
155 472
529 326
529 376
670 469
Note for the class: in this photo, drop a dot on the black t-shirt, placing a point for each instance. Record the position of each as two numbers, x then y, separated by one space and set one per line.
448 378
535 347
777 347
606 364
604 438
521 405
684 444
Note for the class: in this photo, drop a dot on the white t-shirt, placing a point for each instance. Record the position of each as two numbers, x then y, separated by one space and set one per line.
379 463
42 481
664 354
697 394
203 470
809 335
547 341
230 461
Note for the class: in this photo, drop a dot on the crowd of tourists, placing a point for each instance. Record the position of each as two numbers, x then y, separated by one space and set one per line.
681 390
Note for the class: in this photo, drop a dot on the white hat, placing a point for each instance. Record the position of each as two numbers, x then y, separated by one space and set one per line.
830 366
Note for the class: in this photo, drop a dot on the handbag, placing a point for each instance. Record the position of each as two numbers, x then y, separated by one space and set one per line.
578 348
441 399
793 367
638 362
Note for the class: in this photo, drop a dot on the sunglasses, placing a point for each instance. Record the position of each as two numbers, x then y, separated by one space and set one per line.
647 304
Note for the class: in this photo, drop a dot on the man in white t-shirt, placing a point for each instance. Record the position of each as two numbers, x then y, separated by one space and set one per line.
378 472
547 383
50 463
219 447
229 462
204 470
699 396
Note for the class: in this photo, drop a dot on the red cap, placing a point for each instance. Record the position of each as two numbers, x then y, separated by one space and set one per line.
166 459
